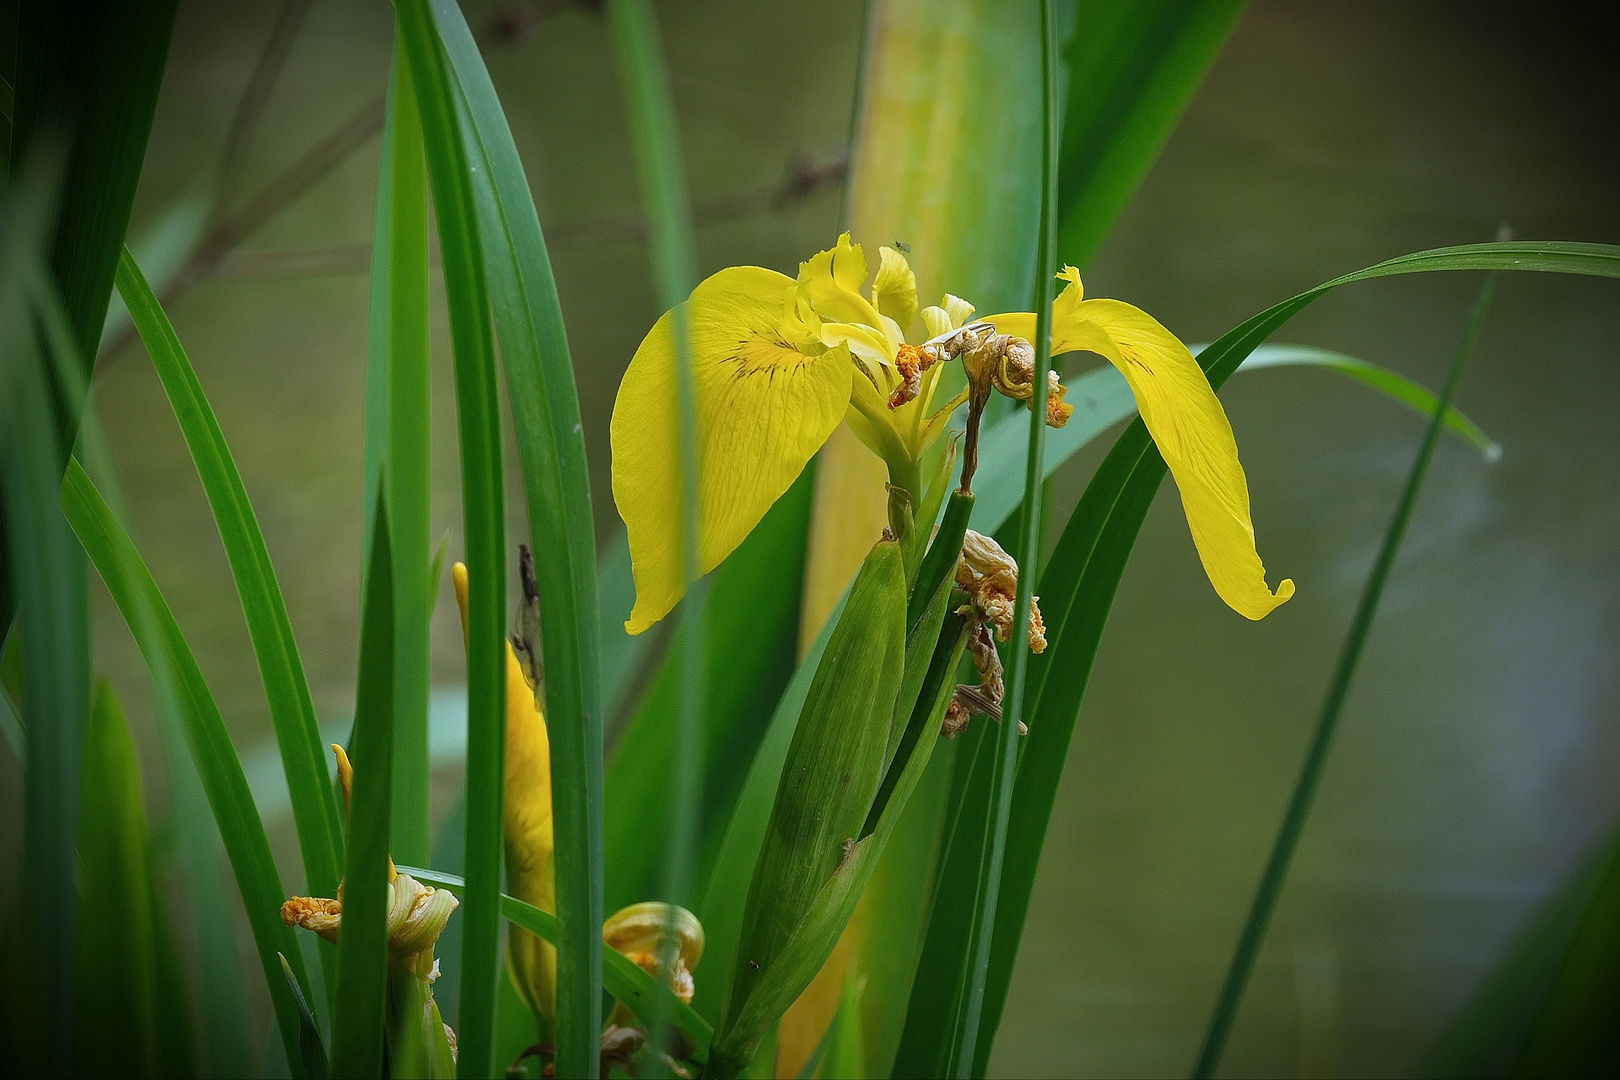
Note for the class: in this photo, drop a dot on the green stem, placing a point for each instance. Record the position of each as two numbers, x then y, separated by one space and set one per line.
1006 750
1310 777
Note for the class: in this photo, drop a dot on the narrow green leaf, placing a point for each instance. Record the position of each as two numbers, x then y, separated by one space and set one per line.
292 712
163 646
1085 567
484 516
88 74
551 447
1016 705
399 435
622 654
361 1001
1310 776
621 977
311 1051
662 175
117 1002
1132 69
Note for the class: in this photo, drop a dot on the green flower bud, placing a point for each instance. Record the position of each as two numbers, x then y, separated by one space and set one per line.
829 779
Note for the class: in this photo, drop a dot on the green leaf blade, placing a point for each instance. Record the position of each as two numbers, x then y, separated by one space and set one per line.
362 972
292 712
484 515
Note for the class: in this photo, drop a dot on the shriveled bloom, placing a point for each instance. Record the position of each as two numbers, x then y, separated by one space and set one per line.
642 933
779 362
530 849
990 577
417 913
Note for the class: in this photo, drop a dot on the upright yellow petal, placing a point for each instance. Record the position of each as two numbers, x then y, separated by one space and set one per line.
894 290
763 409
530 848
831 280
1189 426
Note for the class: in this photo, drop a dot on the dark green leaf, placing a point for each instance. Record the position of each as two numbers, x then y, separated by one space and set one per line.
1132 69
484 516
360 1004
399 436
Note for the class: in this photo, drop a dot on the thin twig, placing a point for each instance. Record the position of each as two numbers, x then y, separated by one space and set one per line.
512 25
805 178
256 96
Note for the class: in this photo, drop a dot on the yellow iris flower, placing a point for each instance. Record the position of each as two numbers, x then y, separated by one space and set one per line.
778 363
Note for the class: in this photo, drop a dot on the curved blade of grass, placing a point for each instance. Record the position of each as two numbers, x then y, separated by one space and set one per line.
484 514
320 836
551 447
1310 776
1085 567
164 646
674 255
1396 387
621 977
399 435
1007 737
360 1004
1132 70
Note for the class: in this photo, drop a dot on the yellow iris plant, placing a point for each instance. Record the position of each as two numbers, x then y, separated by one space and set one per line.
778 363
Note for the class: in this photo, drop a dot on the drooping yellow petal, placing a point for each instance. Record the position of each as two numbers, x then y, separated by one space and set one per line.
1187 423
530 846
763 409
894 290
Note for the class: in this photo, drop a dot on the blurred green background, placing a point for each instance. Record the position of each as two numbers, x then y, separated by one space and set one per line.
1479 757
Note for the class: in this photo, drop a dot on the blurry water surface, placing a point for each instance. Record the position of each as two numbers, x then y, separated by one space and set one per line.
1477 758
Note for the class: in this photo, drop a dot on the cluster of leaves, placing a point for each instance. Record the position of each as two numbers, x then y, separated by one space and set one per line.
683 810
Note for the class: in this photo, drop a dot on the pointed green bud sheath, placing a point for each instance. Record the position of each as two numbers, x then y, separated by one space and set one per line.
829 779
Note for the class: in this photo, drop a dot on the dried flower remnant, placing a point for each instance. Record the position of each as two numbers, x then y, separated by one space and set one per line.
989 576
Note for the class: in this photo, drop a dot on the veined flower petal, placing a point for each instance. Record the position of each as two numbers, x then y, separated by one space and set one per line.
1187 423
763 409
894 290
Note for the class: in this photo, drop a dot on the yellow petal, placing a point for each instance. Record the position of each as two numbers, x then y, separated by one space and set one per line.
530 845
894 290
831 281
763 410
952 313
1187 423
530 848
